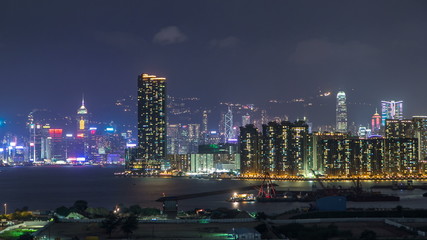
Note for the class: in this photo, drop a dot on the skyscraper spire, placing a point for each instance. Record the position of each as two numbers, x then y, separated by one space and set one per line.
82 109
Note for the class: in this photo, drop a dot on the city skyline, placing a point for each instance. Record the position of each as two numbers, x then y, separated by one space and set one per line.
312 50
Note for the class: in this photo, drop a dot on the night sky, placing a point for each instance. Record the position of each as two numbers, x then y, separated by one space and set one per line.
243 51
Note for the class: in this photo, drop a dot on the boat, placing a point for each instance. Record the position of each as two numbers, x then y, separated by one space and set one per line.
242 197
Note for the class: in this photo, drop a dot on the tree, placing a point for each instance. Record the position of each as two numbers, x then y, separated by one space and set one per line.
97 212
63 211
150 211
80 205
129 225
110 223
135 210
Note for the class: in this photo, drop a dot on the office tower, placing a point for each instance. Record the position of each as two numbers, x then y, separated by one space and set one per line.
35 142
341 112
246 119
151 117
55 145
205 127
391 110
82 120
193 137
250 147
376 123
228 125
173 138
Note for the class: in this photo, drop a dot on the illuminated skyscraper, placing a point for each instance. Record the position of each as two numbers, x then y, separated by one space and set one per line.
284 147
391 110
151 117
228 125
205 127
82 120
250 147
420 132
246 119
341 112
376 123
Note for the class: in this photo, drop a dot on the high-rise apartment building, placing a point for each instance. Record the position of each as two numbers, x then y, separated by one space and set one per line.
399 128
284 147
420 132
341 112
151 117
391 110
250 147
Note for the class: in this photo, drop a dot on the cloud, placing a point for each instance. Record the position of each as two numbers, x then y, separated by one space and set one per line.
169 35
322 51
227 42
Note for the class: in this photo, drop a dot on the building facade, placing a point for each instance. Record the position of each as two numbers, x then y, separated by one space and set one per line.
391 110
341 112
151 117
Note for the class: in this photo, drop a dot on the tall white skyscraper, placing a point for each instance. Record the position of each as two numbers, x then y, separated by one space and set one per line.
341 112
391 110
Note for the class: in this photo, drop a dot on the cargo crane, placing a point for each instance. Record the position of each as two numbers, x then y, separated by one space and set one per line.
267 189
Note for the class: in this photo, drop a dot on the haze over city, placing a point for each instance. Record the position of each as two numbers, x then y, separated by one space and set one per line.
245 119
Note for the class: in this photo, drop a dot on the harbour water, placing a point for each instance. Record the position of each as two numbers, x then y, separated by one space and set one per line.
49 187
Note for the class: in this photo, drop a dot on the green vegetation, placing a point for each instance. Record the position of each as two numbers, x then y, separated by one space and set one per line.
17 233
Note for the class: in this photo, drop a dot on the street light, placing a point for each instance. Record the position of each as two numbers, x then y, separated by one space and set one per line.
5 208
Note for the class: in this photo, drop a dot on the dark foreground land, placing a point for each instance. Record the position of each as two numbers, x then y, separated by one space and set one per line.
309 231
145 231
